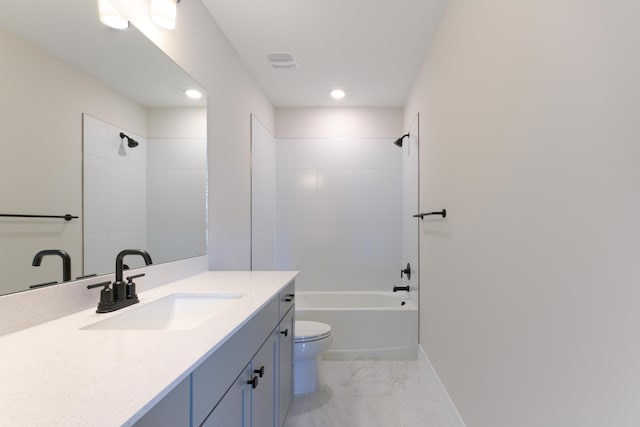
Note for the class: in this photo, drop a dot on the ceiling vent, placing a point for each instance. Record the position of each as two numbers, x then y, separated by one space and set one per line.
282 60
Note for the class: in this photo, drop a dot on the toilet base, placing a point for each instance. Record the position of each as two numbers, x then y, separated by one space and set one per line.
306 376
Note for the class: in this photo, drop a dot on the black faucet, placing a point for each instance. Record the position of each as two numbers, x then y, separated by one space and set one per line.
66 261
123 294
401 288
119 286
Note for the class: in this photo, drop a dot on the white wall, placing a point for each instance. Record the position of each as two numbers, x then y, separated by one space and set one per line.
114 195
176 183
49 140
181 122
339 213
338 123
263 197
198 46
410 206
339 197
529 292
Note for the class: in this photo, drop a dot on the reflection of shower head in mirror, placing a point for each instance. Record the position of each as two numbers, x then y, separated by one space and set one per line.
398 141
132 143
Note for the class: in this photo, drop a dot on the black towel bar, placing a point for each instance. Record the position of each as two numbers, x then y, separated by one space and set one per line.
443 212
66 217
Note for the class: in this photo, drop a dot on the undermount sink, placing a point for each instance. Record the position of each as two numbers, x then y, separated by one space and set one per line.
173 312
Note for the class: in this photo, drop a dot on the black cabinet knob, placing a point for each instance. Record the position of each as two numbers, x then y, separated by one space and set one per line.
253 382
285 332
289 297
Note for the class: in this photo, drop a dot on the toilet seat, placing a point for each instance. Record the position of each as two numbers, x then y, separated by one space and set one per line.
308 331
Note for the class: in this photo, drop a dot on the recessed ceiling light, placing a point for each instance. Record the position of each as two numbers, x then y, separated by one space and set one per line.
193 94
337 94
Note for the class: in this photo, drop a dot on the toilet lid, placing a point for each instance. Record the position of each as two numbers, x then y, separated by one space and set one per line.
307 330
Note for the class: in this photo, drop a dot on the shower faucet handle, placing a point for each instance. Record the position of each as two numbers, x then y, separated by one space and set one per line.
406 271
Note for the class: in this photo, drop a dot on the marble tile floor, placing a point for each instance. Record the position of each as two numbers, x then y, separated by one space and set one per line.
369 393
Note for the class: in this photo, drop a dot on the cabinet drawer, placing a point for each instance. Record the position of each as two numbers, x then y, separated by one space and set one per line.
212 379
287 298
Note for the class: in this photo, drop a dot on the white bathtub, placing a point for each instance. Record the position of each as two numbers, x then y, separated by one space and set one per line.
364 324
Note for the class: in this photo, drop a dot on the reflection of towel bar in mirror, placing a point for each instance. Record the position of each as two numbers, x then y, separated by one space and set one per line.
66 217
443 212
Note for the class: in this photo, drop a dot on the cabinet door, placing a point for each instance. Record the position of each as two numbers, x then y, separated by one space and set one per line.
172 410
234 410
285 371
263 397
213 377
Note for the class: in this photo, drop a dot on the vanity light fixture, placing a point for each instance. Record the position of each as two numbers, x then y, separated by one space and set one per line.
163 13
337 94
110 16
193 93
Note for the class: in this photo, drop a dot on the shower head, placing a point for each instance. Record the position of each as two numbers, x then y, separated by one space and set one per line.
130 141
398 141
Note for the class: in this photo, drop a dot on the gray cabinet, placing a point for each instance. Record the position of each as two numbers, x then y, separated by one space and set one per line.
264 395
251 400
172 410
212 378
220 392
285 364
234 410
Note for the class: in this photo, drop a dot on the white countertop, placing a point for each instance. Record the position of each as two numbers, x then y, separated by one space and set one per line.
55 374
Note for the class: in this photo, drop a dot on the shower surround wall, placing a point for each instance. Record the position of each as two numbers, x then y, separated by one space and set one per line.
150 197
177 177
115 205
263 196
115 201
176 182
338 213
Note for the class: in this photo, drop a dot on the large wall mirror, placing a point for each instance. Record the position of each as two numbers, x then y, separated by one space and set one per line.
70 87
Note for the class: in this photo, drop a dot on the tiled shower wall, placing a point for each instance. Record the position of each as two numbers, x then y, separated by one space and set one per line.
115 205
339 213
149 197
176 196
263 197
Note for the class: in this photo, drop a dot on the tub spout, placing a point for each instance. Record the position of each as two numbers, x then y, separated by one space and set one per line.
401 288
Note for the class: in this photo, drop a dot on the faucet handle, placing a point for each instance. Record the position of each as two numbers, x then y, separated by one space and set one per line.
97 285
131 286
406 271
106 296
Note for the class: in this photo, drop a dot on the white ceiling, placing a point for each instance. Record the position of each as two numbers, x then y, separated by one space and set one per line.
372 49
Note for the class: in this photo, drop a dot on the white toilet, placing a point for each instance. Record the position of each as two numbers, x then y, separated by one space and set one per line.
312 339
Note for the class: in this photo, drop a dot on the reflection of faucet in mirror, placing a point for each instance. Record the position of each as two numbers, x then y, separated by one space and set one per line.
66 261
119 285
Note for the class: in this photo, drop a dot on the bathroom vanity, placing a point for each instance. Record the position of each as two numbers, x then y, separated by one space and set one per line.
231 366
